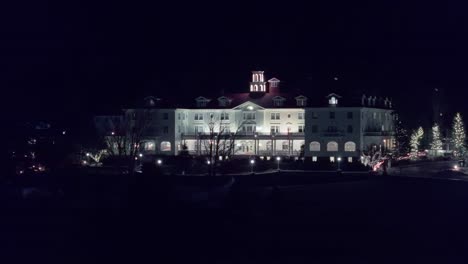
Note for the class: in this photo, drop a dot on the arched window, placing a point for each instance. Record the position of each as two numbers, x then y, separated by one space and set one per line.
165 146
149 146
256 87
314 146
332 146
350 146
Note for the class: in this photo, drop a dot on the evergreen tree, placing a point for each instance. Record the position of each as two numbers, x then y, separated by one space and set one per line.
436 143
415 140
458 135
402 139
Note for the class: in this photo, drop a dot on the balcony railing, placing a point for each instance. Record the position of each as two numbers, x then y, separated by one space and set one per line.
246 134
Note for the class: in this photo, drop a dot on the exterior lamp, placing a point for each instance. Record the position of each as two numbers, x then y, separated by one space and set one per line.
252 163
159 162
339 160
278 159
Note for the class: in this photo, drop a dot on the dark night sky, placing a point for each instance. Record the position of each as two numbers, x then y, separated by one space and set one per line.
74 59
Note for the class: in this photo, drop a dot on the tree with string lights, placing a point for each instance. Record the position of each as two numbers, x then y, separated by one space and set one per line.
436 144
415 141
458 135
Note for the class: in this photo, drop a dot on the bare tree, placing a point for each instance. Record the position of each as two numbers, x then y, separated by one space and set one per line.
220 141
124 133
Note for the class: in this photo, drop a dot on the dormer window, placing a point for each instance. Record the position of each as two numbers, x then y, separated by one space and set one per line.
202 101
333 99
278 101
224 101
301 101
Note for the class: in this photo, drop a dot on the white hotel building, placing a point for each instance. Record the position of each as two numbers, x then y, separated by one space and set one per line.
266 122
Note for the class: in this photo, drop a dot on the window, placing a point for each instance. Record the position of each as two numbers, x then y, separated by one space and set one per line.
314 115
350 129
333 101
275 116
350 115
285 145
289 115
332 159
350 159
165 130
332 115
248 128
149 146
375 115
332 129
314 159
223 101
198 116
300 116
274 129
314 146
224 116
332 146
225 129
278 102
178 116
350 146
300 129
165 146
249 116
301 102
198 129
165 116
212 115
383 127
314 128
179 129
201 103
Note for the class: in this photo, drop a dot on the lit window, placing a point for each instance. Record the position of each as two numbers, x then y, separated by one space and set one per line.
350 146
285 145
300 116
350 159
333 101
165 146
332 159
314 159
149 146
332 146
314 146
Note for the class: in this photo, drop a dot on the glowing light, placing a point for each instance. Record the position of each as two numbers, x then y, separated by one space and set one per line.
455 167
208 162
64 132
136 158
252 162
112 133
250 107
141 155
84 162
278 158
87 154
159 162
339 158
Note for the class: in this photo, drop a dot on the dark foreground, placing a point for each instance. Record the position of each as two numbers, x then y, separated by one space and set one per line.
370 219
